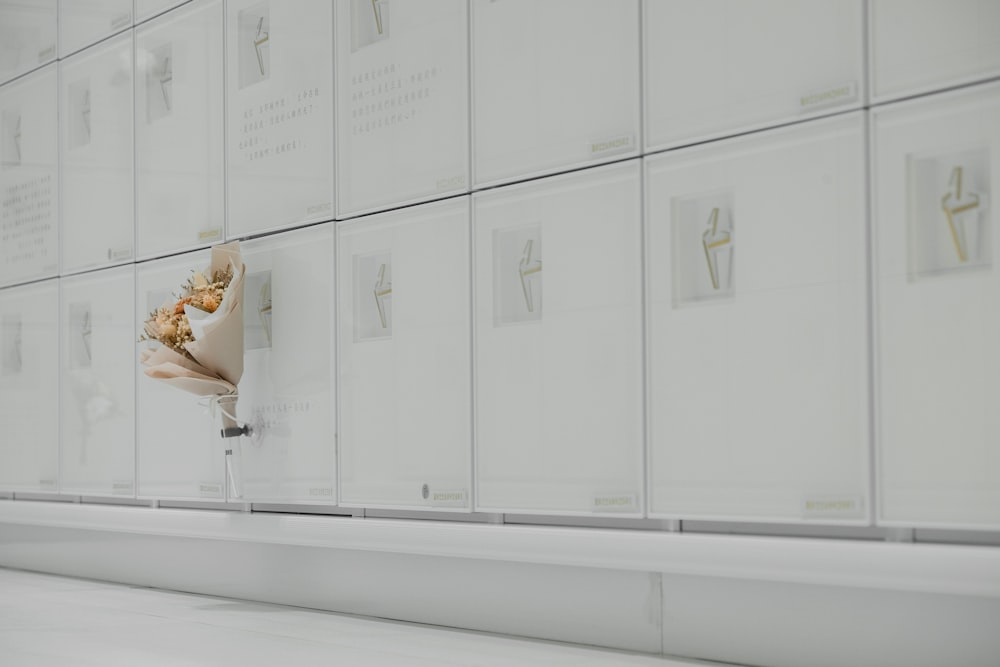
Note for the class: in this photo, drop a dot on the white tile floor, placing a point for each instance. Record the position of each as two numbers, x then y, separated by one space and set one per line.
47 620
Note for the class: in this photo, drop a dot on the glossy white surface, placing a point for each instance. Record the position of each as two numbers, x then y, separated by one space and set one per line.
555 85
29 177
97 383
177 446
287 390
916 47
84 22
722 67
29 393
95 152
938 323
179 160
279 68
559 344
146 9
758 398
403 102
47 620
406 432
27 35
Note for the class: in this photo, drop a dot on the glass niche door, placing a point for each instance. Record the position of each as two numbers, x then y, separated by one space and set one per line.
287 394
405 365
180 454
758 328
558 326
97 383
936 170
29 387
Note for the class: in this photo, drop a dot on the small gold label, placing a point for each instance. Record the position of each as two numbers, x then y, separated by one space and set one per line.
118 254
47 53
121 488
625 502
451 183
614 144
210 489
324 492
121 21
448 498
833 506
829 96
319 208
210 234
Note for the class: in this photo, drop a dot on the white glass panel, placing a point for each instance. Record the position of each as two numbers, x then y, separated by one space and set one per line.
145 9
758 333
405 377
178 130
97 454
180 453
937 175
559 370
279 63
556 85
723 66
918 46
29 387
27 35
287 390
29 205
84 22
95 112
403 107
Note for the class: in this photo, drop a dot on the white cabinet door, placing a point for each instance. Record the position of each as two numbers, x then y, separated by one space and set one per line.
279 68
758 327
29 387
27 36
403 102
405 359
86 22
558 322
180 454
555 85
29 173
720 67
921 46
97 383
179 153
95 112
287 390
936 171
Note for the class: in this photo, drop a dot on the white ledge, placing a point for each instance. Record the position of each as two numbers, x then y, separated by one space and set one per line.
926 568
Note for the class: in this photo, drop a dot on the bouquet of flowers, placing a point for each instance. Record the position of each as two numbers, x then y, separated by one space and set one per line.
202 333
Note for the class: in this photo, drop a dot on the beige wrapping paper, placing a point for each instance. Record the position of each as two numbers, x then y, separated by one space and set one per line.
218 344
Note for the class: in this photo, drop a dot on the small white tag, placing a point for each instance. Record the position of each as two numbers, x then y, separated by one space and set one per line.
828 97
210 490
210 235
616 502
451 183
833 507
121 488
611 145
47 483
121 21
321 492
117 254
448 498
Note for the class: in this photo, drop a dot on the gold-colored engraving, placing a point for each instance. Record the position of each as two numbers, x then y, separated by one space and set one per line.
527 267
377 10
166 76
264 308
85 112
260 39
953 205
712 241
382 291
17 138
86 332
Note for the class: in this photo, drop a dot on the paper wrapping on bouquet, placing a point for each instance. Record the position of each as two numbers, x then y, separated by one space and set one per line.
218 342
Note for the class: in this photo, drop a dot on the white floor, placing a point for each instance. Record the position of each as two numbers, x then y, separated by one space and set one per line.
48 620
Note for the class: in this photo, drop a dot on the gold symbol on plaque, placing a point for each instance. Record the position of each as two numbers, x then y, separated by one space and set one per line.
716 243
382 291
260 39
528 267
954 205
